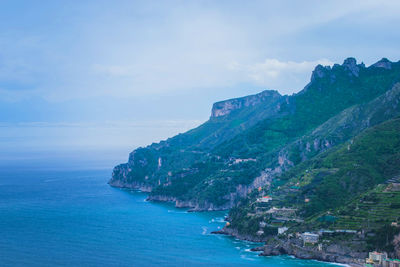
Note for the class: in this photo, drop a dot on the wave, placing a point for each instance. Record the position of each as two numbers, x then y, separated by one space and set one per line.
204 230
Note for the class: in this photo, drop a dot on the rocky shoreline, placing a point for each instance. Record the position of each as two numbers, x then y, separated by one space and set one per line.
235 233
193 206
132 185
190 204
273 246
335 253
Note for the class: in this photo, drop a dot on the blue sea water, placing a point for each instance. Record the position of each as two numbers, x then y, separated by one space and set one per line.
73 218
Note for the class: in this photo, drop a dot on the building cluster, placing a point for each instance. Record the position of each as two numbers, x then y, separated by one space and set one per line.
381 259
312 238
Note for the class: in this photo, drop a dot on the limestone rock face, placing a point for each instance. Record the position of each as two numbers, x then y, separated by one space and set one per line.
224 108
319 72
350 64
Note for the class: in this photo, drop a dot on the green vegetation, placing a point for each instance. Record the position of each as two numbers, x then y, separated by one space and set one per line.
354 186
321 148
381 240
333 178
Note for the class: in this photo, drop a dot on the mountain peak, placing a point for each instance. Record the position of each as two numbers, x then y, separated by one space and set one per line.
350 64
350 61
319 72
383 63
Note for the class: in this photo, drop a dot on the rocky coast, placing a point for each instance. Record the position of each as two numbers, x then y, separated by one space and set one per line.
338 252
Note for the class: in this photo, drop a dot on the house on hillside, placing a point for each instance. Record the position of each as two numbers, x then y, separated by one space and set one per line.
376 257
282 212
309 238
281 230
264 199
391 263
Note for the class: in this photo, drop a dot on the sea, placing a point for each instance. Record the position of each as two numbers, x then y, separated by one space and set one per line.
72 217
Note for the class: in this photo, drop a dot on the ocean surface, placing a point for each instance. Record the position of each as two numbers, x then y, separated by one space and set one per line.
73 218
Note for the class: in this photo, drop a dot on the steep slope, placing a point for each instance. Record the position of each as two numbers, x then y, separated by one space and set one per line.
213 166
148 167
332 179
351 191
338 129
330 91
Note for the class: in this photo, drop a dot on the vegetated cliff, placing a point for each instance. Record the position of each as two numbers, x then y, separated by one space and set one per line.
183 155
250 140
350 192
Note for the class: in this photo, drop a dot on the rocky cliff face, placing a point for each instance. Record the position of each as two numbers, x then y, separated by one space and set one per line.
396 244
339 252
226 107
120 178
346 252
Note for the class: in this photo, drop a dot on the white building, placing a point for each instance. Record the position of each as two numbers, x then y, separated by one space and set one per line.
260 232
377 257
309 238
264 199
281 230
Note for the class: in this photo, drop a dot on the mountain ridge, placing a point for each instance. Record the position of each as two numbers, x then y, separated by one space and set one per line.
197 169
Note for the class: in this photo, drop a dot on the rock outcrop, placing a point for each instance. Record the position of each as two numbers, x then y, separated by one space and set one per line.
383 63
350 64
339 253
225 107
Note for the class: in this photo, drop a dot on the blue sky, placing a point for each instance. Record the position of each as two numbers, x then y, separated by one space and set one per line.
78 75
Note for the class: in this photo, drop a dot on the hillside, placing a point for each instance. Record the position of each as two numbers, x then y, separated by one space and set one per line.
250 140
328 183
349 194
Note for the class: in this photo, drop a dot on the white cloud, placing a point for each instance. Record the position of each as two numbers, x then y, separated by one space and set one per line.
276 74
135 49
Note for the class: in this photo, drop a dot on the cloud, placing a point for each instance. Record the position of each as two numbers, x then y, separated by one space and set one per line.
273 71
135 49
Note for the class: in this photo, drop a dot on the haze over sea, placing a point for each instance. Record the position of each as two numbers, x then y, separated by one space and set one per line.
58 216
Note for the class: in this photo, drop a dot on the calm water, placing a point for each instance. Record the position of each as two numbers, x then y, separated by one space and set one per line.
60 218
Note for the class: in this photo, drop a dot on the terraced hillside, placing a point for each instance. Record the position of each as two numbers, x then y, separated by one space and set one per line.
355 186
379 206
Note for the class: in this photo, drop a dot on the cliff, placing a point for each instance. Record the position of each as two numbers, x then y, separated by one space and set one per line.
226 107
249 141
338 252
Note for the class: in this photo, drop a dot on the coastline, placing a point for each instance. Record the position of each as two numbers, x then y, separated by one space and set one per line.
265 249
192 206
293 247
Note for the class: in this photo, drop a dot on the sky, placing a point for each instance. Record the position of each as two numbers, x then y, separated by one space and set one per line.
115 75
